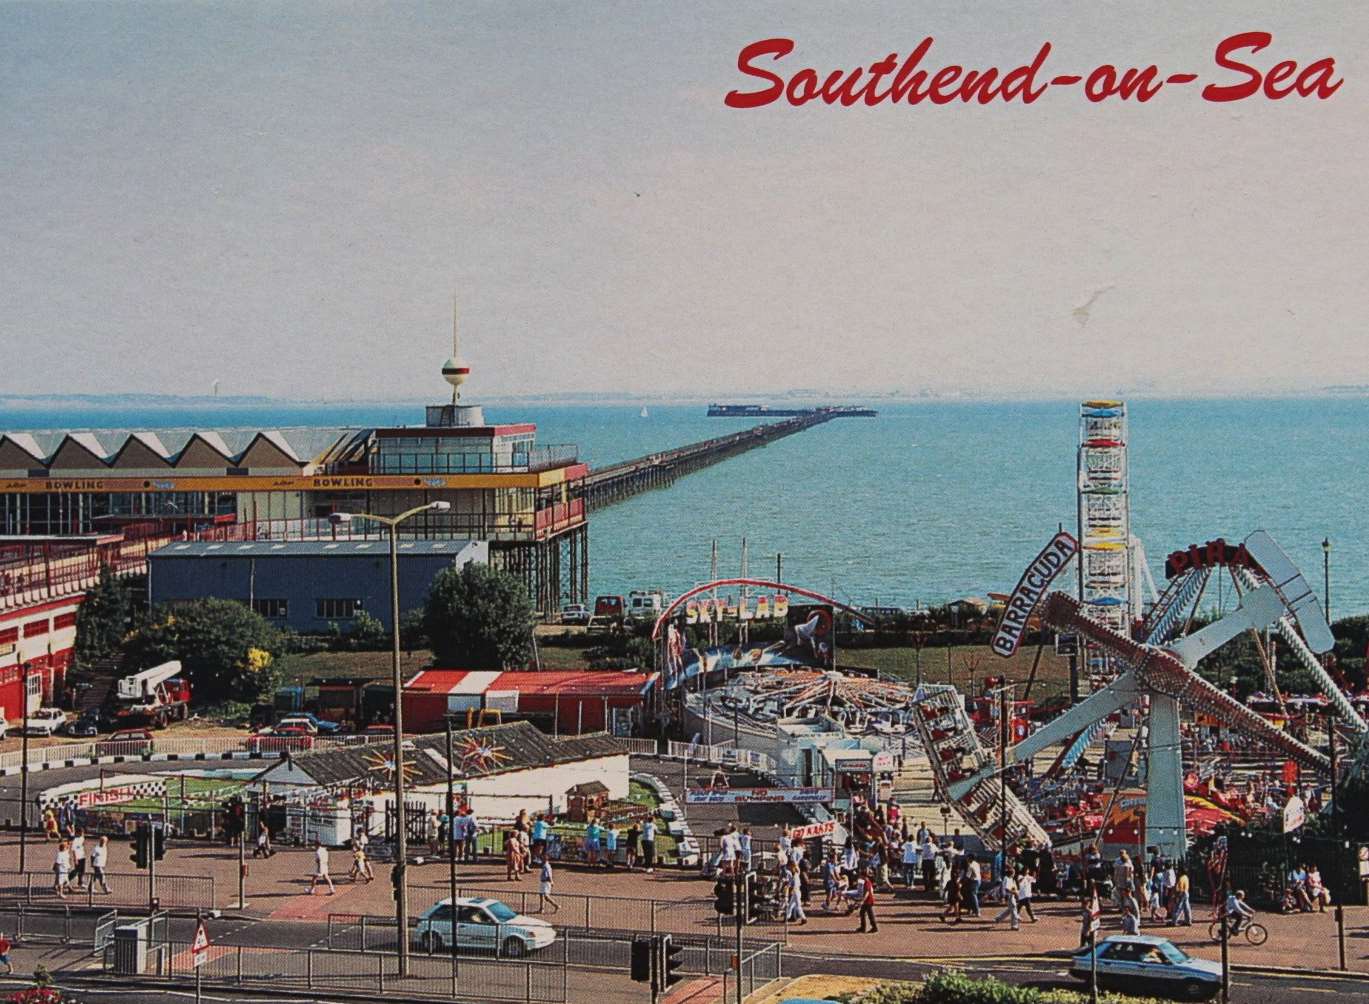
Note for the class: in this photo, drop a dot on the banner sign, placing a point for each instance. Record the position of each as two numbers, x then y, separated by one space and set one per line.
706 610
746 796
814 830
1030 589
1294 814
808 635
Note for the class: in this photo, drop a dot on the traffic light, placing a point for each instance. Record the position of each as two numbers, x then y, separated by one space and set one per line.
750 897
158 842
138 846
641 959
722 895
671 963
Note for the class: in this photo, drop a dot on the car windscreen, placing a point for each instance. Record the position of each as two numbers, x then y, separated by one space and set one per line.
500 912
1172 953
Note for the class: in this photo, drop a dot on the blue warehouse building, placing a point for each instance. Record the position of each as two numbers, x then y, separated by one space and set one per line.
306 585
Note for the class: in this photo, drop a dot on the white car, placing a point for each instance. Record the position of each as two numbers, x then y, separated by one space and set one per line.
1142 964
45 721
484 925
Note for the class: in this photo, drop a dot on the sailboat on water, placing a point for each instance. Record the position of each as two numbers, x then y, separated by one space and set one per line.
643 413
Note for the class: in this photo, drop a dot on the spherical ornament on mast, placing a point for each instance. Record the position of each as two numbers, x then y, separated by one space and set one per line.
455 371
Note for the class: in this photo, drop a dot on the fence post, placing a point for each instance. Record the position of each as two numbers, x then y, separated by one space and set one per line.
363 933
28 887
239 947
1340 933
527 975
651 905
309 968
380 971
589 911
66 926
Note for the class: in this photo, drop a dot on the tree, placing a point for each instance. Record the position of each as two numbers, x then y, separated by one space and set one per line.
102 621
228 650
478 617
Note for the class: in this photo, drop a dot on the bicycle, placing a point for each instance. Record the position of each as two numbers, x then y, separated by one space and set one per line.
1255 932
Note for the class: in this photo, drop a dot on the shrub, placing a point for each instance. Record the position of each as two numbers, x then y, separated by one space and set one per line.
954 986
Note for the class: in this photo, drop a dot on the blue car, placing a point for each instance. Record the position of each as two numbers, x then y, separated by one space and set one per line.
1141 964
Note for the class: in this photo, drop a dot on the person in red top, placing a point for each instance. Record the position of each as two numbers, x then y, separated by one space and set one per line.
5 954
867 902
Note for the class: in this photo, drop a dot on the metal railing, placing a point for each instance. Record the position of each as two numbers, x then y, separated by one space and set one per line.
542 980
40 756
720 754
126 889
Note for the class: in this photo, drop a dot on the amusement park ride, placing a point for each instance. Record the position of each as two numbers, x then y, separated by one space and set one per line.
1146 662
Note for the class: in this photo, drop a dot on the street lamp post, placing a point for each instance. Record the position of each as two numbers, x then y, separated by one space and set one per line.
1326 575
401 835
24 765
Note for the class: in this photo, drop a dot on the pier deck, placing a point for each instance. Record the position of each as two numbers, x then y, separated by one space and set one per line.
616 482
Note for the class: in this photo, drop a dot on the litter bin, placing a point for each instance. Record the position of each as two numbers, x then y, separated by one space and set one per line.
130 949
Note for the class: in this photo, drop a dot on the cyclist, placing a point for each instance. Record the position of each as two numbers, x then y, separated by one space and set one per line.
1237 913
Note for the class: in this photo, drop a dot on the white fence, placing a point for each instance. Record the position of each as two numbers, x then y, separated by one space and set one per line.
42 756
727 755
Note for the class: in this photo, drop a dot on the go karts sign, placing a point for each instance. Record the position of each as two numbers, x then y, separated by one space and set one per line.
1052 560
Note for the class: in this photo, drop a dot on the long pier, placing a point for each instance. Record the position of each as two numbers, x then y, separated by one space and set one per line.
616 482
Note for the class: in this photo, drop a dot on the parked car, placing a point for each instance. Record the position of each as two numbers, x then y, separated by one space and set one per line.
92 723
125 742
483 924
289 739
45 722
380 729
320 726
575 613
1143 964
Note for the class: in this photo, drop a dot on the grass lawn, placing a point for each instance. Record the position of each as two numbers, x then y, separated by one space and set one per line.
200 793
301 669
969 665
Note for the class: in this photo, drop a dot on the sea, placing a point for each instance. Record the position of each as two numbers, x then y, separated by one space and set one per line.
928 502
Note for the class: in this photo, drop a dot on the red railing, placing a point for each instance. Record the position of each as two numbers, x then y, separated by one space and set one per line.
49 569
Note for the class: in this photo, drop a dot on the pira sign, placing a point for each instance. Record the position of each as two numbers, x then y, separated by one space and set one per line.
1210 555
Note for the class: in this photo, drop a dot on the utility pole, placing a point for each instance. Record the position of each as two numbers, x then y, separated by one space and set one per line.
242 862
779 567
24 765
1003 734
451 843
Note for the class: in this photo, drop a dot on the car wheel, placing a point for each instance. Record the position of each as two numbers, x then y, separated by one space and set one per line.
514 948
1195 990
430 942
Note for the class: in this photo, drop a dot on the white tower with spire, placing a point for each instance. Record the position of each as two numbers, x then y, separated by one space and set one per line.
455 371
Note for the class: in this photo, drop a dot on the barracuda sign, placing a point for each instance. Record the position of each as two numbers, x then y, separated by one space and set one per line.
1030 588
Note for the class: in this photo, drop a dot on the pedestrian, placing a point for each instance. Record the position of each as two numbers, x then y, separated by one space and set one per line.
954 898
78 857
361 868
1009 912
263 845
5 947
544 883
927 855
973 881
829 873
1131 913
1182 907
541 829
649 844
61 870
592 831
1123 875
50 829
793 895
321 869
1026 884
867 902
631 841
912 858
472 835
1045 871
513 870
744 848
99 857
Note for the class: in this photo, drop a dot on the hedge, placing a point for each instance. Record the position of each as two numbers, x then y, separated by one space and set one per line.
949 986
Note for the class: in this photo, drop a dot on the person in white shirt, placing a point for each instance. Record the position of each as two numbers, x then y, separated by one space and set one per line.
744 848
649 845
912 857
1010 896
929 860
99 855
1026 883
321 870
78 856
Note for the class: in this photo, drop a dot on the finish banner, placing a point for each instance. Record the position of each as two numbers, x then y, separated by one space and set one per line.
747 796
1030 589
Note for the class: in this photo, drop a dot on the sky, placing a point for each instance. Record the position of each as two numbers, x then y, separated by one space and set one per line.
284 198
